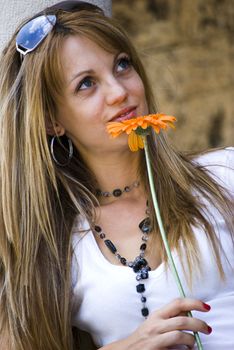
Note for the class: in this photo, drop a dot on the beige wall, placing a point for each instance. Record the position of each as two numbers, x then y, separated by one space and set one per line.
188 48
13 11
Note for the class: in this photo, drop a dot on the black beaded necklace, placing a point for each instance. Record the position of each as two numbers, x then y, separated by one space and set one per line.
117 192
139 265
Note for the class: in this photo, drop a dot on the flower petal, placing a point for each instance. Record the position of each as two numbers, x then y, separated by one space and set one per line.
156 129
133 141
140 141
115 129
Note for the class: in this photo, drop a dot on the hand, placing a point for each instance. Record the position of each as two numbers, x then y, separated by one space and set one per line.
164 327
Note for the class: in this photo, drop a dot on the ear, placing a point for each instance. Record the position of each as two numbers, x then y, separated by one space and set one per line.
54 128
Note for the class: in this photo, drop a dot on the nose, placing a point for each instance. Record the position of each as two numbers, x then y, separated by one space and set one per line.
116 92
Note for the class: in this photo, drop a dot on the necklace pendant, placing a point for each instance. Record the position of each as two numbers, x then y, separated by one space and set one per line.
143 274
145 311
141 268
140 288
139 263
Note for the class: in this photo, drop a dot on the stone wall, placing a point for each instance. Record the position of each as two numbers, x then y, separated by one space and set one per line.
188 49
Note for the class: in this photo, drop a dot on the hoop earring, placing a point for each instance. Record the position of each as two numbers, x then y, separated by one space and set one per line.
69 155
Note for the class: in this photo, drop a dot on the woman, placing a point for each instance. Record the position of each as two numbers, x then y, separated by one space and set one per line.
64 76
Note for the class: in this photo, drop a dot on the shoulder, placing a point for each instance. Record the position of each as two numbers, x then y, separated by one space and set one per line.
224 156
220 165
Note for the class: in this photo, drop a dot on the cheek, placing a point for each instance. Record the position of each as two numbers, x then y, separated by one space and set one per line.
137 86
77 112
139 91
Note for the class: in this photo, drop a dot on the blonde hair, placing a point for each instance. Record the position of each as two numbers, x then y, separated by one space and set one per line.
40 200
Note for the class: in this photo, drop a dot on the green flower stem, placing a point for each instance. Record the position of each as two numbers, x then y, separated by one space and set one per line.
163 234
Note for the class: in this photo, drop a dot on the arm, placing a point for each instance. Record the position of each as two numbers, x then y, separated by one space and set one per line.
164 328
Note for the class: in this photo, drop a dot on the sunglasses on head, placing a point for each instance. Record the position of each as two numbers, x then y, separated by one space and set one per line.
36 30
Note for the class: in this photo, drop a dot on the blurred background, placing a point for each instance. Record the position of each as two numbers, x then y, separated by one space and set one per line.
188 49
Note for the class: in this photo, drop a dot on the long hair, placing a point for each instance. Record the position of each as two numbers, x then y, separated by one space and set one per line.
40 200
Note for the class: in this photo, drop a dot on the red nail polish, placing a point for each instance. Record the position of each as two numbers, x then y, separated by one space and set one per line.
206 306
209 329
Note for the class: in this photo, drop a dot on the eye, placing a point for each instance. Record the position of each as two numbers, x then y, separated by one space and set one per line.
123 63
85 84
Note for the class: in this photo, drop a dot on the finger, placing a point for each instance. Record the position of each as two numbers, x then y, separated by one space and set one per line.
176 338
182 305
184 323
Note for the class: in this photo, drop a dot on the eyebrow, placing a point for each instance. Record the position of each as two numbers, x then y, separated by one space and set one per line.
89 71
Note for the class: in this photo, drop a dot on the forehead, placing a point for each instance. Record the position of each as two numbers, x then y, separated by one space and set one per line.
81 53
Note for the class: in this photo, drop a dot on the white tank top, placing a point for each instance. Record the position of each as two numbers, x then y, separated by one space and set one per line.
105 301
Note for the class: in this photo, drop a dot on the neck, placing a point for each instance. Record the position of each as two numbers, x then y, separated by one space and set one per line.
117 170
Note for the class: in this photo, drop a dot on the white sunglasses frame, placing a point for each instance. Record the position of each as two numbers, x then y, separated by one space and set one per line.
48 25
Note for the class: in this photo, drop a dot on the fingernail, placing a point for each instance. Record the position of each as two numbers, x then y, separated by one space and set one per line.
206 306
209 329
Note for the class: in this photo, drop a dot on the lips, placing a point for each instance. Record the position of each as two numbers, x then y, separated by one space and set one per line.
125 114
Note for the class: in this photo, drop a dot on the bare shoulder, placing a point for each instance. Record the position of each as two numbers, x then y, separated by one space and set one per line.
220 165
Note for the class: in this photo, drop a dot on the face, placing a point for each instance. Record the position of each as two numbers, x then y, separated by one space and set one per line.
99 87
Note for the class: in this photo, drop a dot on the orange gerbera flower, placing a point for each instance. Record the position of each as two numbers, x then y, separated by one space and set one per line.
138 127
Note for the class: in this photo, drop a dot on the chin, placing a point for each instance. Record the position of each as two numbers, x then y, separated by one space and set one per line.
119 144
